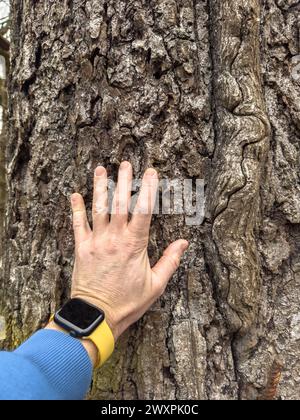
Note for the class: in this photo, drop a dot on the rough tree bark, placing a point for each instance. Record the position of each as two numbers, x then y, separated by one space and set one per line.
4 57
199 89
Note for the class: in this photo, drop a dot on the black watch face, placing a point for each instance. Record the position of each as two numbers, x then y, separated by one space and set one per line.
79 317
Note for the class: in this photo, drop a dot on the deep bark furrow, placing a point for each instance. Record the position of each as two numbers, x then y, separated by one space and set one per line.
241 151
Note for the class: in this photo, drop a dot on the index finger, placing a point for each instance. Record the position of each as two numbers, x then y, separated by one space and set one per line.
142 213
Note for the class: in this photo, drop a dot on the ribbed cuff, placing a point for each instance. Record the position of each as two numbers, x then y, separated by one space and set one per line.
62 359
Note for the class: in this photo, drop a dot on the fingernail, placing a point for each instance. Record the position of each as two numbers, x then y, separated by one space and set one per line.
124 165
74 198
100 170
185 245
151 172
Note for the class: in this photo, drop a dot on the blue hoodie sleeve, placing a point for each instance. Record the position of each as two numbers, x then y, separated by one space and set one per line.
50 365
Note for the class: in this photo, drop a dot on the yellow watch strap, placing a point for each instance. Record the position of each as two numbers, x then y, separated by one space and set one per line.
103 339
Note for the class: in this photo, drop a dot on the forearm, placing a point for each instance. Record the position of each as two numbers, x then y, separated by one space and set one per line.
50 365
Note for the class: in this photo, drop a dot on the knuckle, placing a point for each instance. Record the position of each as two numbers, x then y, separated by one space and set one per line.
120 208
111 249
99 209
78 219
141 209
110 246
82 253
96 247
106 246
77 224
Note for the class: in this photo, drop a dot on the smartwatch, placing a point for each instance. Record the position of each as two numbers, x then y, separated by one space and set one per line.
85 321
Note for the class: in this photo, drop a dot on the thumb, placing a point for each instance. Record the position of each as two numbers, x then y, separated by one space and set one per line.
168 263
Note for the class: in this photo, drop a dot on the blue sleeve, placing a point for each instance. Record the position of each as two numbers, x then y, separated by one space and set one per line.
50 365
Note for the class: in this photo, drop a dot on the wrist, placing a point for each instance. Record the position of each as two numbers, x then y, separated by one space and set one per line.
89 346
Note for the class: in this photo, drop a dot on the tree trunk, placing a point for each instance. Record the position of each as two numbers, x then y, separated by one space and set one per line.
199 89
4 64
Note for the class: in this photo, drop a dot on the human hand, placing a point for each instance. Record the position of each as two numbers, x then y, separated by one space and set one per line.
112 268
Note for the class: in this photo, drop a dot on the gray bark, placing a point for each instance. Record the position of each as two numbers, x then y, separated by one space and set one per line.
199 89
4 53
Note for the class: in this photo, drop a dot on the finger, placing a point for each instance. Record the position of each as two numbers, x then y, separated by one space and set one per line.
142 213
168 264
100 201
122 196
81 225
